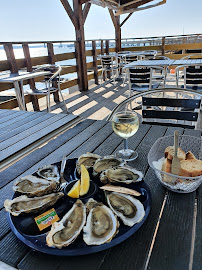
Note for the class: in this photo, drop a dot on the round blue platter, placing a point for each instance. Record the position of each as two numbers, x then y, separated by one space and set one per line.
25 228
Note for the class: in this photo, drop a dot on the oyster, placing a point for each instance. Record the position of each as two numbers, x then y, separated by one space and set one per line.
129 209
87 160
49 172
122 174
63 233
105 163
101 225
34 186
23 204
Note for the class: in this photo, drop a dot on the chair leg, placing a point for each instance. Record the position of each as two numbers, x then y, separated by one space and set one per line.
63 100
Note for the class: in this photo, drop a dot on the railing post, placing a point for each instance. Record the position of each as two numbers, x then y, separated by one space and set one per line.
102 48
94 52
163 46
12 61
51 57
107 52
28 63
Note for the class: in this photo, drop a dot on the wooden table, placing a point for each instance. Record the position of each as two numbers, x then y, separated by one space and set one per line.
17 78
169 239
22 131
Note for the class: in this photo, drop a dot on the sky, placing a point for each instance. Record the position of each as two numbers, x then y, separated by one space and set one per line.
43 20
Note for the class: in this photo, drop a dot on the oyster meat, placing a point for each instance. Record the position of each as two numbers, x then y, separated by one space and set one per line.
33 186
121 174
88 160
105 163
24 204
126 207
101 225
63 233
49 172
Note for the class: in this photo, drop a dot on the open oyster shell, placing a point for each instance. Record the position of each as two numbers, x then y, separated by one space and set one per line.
121 174
49 172
24 204
88 160
126 207
105 163
101 225
33 186
63 233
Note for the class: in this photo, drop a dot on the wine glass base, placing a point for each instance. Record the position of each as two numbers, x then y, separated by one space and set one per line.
127 154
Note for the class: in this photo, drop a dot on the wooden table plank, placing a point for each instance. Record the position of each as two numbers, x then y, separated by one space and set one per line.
7 117
197 258
27 120
47 120
16 119
48 126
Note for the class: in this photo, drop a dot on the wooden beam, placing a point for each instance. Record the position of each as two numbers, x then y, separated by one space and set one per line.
95 61
85 11
113 18
102 48
51 57
70 12
28 63
80 49
163 46
118 35
126 19
84 1
11 58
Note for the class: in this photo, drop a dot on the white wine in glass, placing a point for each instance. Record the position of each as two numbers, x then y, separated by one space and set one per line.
126 124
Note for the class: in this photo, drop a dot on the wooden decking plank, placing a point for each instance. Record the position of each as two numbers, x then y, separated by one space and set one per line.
31 121
6 192
177 221
197 258
12 249
26 120
4 112
37 135
14 114
141 240
4 227
24 164
33 129
16 119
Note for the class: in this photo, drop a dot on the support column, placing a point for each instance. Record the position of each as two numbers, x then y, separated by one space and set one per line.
80 50
118 34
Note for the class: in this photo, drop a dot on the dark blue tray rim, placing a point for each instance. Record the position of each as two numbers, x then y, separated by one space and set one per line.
81 251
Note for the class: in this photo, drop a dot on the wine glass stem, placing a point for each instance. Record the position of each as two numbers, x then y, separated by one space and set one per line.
125 144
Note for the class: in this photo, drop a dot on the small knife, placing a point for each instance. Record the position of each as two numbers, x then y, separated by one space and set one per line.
175 167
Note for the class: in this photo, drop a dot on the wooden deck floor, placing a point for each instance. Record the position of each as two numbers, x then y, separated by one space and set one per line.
96 103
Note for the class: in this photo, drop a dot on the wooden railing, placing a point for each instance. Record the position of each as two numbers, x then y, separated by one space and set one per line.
174 51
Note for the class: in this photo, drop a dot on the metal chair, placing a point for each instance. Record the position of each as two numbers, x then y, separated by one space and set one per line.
192 76
52 84
109 64
141 79
166 106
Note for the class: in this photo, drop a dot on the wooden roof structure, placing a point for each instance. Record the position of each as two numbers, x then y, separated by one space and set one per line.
78 14
126 6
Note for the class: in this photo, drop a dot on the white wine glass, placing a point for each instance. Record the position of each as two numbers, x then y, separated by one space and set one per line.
125 124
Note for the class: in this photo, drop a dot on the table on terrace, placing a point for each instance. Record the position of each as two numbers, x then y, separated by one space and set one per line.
170 238
17 78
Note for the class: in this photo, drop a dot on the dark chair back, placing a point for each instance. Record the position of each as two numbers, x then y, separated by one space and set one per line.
172 111
139 75
193 77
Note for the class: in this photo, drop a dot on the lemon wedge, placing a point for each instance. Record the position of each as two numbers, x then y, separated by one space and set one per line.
74 191
85 181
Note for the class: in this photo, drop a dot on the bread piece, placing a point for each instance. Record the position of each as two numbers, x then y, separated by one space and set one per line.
190 155
166 167
169 152
191 167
